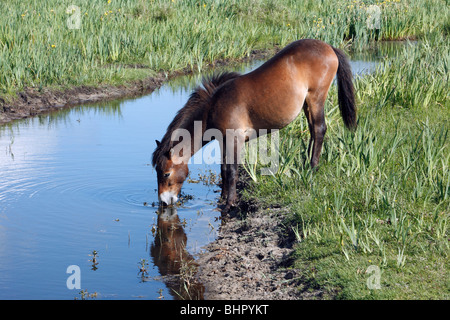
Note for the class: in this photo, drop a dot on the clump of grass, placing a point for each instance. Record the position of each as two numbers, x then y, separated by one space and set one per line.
94 261
85 295
143 269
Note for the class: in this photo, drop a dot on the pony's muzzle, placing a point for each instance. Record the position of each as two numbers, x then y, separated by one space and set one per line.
168 198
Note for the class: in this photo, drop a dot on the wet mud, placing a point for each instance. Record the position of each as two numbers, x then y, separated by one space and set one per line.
251 259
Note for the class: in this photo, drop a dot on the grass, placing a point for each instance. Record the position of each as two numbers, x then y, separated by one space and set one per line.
38 49
381 197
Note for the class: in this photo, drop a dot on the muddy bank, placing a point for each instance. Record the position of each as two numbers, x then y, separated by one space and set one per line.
252 258
248 261
32 101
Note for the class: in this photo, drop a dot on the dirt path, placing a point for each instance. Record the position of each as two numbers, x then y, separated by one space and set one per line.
247 261
251 258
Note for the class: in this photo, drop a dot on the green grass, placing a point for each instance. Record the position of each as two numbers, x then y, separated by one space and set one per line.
381 195
37 49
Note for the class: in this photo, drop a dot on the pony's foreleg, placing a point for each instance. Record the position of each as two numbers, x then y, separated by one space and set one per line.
223 172
233 146
232 177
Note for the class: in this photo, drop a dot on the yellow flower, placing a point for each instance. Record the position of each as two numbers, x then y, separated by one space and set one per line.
109 1
53 46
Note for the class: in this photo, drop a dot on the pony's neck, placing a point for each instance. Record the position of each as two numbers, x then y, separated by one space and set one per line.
187 141
190 121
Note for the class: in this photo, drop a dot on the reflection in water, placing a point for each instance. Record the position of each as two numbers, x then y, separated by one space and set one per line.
63 116
380 50
365 62
171 257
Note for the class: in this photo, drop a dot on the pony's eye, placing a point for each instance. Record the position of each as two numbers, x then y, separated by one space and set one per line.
166 175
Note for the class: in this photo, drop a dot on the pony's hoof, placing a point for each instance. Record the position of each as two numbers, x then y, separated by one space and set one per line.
228 207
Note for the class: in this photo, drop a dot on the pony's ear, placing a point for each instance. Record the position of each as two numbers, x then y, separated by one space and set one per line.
157 143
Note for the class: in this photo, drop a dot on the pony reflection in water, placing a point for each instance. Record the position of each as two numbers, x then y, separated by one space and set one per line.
270 97
171 257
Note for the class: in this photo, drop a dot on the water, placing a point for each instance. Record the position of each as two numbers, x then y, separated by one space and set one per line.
80 180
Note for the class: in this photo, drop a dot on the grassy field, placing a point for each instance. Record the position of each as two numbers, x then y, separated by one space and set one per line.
381 197
42 46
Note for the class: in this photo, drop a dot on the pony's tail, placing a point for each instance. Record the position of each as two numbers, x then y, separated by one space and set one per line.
346 93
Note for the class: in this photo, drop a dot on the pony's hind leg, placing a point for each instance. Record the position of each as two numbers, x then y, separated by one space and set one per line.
317 126
310 127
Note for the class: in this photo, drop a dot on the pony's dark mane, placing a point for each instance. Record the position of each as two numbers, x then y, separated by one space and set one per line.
193 109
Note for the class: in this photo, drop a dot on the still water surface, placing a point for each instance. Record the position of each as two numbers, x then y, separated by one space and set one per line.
80 180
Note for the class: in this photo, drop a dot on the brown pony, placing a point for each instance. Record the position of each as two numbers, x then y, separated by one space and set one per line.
270 97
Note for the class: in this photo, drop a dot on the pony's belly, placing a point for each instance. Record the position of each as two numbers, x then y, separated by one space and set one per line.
275 122
285 120
279 114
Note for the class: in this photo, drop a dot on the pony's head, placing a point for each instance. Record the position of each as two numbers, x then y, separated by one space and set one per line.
171 173
171 168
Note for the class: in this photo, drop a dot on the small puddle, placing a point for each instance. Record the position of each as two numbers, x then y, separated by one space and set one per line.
80 180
